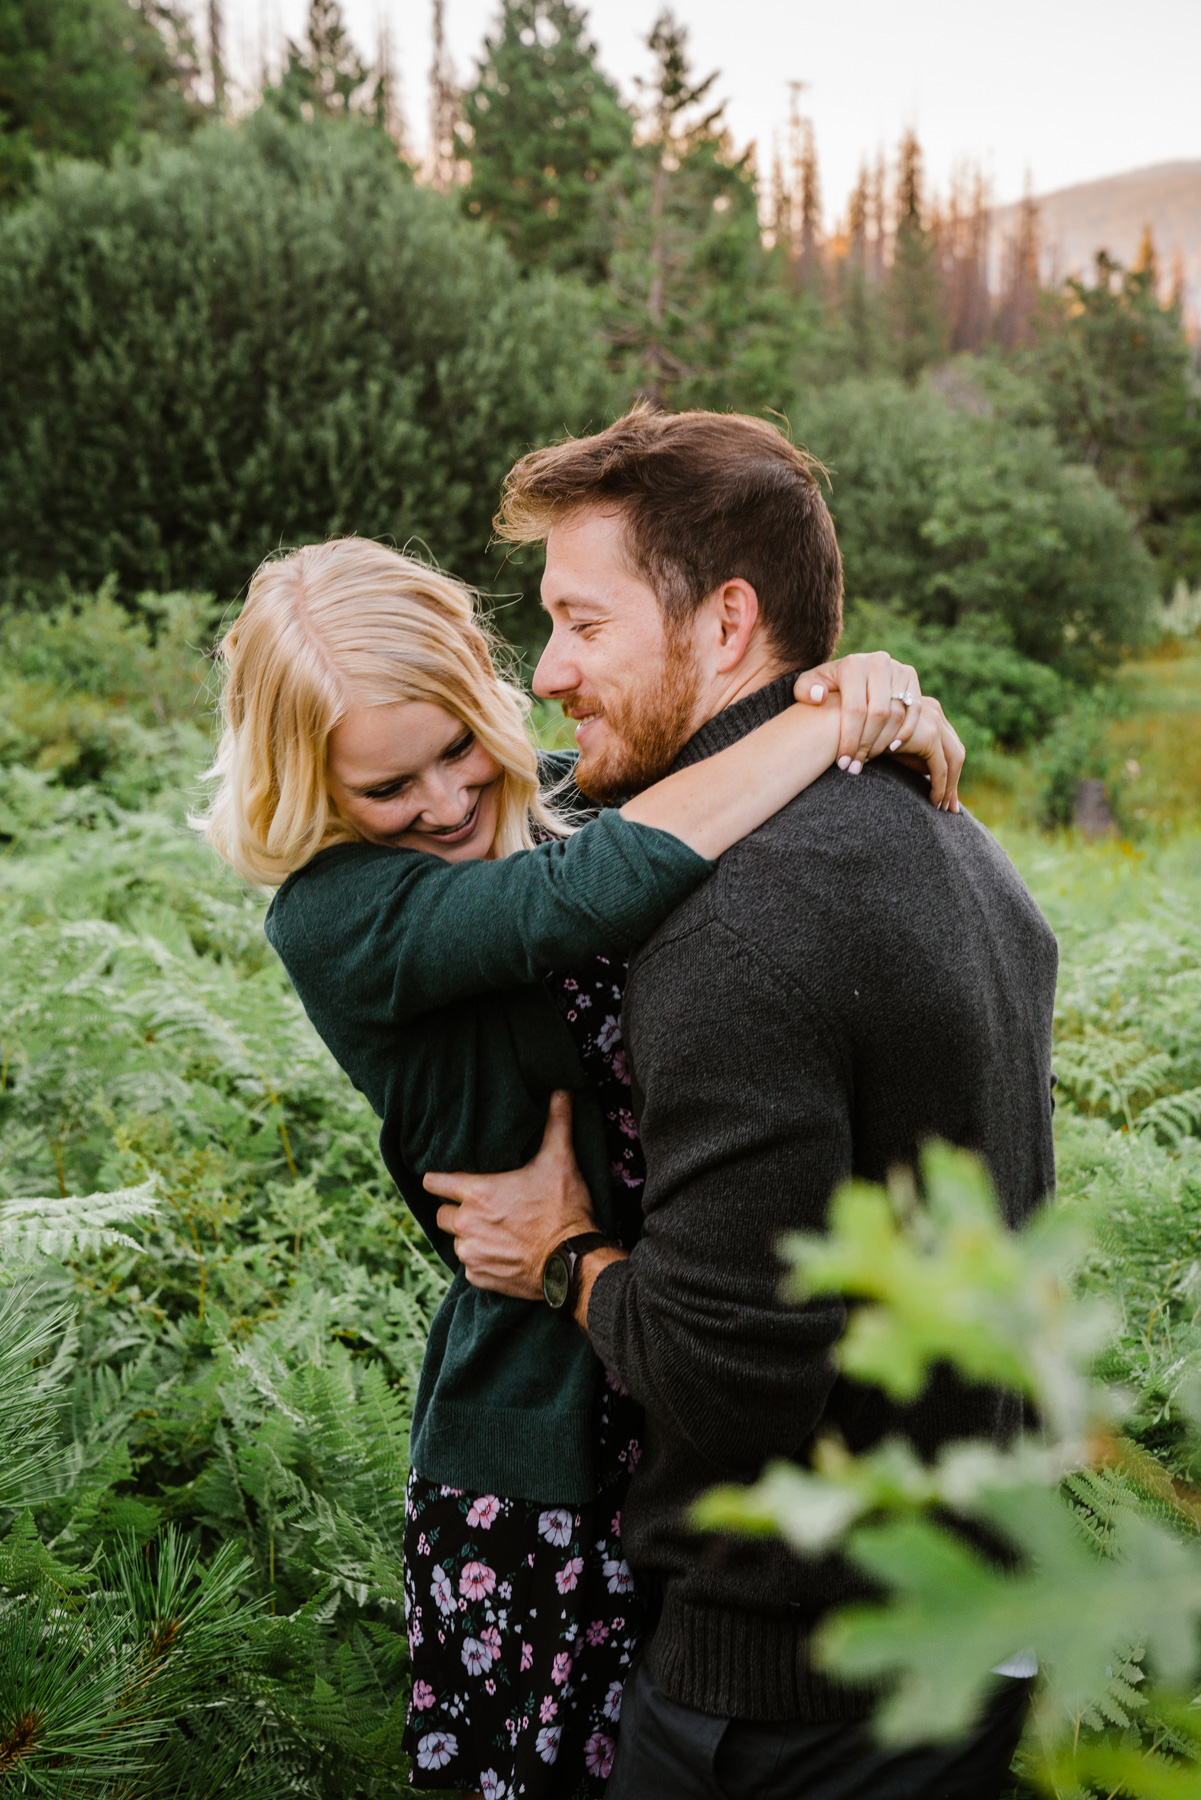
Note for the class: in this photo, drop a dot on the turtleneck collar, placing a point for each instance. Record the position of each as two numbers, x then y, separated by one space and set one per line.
726 727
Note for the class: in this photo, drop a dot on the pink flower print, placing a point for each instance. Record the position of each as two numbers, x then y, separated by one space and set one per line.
634 1453
597 1632
613 1382
423 1696
490 1638
617 1573
490 1685
527 1657
615 1526
584 1000
560 1668
477 1580
612 1703
623 1174
449 1493
625 1119
555 1526
598 1755
547 1742
416 1635
547 1710
570 984
609 1034
477 1658
569 1575
435 1750
572 1016
505 1591
621 1067
482 1512
440 1590
491 1785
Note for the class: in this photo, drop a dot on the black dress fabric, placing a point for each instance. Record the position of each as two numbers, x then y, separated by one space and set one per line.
523 1616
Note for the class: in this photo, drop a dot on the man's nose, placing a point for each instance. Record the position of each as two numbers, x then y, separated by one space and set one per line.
557 672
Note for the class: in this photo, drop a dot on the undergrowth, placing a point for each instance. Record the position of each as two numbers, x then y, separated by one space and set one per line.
216 1354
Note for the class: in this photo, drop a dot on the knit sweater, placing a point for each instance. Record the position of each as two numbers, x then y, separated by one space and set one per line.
861 974
424 978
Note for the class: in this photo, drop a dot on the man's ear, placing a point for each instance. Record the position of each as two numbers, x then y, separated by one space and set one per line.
736 614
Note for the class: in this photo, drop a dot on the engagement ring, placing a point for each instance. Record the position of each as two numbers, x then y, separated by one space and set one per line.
907 699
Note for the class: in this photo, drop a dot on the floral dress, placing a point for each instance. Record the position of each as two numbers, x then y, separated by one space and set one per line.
523 1616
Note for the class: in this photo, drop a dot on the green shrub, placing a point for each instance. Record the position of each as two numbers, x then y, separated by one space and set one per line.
264 338
115 697
992 694
957 516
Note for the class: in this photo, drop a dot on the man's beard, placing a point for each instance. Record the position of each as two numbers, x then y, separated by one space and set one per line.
651 724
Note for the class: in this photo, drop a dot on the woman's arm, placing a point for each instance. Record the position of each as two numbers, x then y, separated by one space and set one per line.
387 934
711 805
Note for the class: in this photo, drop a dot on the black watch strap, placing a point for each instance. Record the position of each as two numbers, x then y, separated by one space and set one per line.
561 1271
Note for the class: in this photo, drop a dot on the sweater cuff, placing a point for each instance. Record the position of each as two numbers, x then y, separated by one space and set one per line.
606 1305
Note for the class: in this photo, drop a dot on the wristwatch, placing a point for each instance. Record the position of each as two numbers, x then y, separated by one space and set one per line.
561 1271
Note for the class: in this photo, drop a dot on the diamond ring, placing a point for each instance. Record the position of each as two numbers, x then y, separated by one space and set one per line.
907 699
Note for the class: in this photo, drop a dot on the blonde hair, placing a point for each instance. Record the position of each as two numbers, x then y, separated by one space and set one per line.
333 625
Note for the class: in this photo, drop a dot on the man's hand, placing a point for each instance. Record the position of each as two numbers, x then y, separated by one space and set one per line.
505 1226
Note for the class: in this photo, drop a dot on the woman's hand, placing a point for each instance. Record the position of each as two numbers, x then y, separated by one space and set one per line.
874 689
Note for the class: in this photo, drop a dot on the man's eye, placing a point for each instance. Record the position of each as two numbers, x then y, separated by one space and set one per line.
460 747
586 628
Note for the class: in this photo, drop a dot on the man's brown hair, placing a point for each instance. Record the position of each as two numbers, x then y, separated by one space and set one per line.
706 497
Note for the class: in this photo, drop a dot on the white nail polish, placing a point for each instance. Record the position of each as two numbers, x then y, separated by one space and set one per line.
844 762
816 692
856 766
895 745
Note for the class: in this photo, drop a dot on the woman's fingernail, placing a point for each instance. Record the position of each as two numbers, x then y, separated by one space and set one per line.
855 767
895 745
844 762
817 692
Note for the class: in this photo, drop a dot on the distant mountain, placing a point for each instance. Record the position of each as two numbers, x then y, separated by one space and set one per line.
1110 215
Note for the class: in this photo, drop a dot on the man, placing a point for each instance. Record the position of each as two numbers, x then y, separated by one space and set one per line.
863 973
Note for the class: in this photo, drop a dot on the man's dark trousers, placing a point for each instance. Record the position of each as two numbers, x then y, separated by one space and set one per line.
669 1752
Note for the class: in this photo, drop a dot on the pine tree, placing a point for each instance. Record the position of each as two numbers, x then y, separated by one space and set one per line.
809 262
1019 281
542 128
914 286
694 314
325 74
80 77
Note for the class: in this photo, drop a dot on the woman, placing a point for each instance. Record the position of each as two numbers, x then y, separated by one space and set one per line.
376 768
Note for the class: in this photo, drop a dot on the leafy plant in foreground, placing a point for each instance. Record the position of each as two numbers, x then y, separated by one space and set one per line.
1106 1571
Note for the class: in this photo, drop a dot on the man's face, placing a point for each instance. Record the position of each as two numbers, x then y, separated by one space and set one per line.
630 680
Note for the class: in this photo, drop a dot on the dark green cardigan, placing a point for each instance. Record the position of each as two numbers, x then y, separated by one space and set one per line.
424 978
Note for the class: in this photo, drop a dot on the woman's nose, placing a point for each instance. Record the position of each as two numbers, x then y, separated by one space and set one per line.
446 801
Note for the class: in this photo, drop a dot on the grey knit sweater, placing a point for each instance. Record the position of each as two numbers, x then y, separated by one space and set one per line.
862 973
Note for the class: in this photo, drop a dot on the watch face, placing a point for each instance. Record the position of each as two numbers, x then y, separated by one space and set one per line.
556 1281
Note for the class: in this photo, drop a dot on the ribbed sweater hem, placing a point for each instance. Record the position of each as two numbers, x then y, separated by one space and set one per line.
514 1451
745 1665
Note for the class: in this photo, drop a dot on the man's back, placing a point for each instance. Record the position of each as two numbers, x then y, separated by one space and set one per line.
862 974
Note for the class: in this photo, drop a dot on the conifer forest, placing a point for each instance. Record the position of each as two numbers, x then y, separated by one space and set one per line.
234 321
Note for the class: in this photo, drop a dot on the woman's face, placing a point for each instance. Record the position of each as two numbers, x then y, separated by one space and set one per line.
414 776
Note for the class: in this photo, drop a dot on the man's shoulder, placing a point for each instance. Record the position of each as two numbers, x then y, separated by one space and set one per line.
854 858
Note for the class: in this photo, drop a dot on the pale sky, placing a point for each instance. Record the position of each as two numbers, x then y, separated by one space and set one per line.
1064 89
